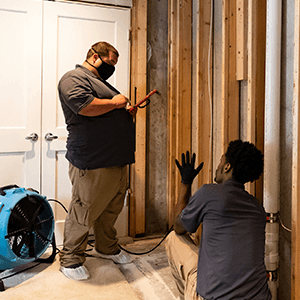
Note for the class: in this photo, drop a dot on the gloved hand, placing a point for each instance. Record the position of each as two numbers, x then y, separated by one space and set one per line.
187 169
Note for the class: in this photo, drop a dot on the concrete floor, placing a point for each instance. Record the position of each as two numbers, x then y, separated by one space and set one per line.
149 275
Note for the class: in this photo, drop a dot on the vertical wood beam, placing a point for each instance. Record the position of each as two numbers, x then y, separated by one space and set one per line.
180 91
204 92
256 81
295 290
252 43
261 29
139 82
241 32
230 86
172 104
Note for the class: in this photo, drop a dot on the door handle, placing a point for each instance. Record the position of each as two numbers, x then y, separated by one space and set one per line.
33 137
50 137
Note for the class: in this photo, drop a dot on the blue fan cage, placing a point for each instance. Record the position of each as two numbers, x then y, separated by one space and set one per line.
26 227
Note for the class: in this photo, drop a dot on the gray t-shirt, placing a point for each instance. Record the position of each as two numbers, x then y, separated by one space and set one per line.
103 141
231 254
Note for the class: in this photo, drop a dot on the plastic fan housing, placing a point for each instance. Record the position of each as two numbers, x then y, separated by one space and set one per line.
26 227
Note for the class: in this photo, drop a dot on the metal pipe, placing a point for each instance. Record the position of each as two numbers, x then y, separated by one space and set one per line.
272 136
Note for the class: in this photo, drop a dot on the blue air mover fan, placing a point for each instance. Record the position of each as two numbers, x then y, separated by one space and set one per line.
26 226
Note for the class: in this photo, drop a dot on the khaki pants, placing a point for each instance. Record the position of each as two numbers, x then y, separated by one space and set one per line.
97 200
183 259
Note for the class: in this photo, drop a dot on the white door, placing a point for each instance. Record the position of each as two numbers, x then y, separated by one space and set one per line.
40 41
20 92
69 31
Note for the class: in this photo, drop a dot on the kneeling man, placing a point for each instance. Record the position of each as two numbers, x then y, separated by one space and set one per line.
232 247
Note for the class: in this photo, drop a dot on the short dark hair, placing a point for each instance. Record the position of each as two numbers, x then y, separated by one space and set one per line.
102 49
246 160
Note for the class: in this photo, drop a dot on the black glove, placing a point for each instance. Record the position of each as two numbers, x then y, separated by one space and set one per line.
187 169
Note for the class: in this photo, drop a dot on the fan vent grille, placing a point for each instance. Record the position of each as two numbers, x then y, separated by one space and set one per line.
30 227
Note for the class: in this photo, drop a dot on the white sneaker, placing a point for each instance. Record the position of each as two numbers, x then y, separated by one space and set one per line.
120 258
79 273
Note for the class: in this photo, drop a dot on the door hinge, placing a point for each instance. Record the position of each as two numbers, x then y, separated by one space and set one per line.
130 34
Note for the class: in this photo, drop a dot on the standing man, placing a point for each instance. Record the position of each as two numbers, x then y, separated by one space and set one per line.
100 145
231 253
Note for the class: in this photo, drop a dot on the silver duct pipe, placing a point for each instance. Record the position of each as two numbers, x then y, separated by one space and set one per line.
272 139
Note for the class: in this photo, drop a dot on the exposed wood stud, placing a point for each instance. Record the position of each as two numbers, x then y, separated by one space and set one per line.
295 289
204 93
139 81
256 82
241 32
230 86
179 94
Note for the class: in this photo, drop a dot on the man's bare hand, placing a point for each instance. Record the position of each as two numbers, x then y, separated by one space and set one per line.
120 101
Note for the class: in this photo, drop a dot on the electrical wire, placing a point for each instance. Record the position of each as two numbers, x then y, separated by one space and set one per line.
283 226
134 253
53 200
143 253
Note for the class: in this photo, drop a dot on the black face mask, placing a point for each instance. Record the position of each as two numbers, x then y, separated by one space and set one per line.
105 70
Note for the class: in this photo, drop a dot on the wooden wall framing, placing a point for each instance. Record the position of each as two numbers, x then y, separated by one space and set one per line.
249 67
257 10
241 39
230 86
295 289
243 59
204 92
235 69
138 86
179 93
